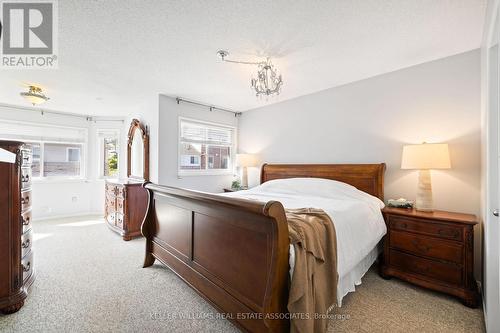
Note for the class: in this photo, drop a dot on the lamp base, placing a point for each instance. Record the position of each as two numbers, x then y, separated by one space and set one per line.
244 178
424 192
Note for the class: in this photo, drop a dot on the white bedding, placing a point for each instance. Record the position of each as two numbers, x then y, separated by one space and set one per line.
358 221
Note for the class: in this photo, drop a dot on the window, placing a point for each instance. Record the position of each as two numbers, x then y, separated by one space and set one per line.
108 141
58 152
73 154
61 159
205 148
35 165
56 159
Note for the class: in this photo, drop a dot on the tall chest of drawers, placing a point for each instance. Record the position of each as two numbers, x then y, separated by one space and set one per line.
16 234
125 207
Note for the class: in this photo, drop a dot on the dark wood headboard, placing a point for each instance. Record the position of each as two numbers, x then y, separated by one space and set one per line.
368 178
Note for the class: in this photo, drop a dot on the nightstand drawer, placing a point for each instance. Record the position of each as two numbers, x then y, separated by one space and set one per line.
426 246
438 271
426 227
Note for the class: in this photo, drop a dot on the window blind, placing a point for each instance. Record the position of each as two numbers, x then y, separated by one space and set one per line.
195 132
39 132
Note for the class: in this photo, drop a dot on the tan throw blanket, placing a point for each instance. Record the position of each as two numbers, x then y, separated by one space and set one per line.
313 288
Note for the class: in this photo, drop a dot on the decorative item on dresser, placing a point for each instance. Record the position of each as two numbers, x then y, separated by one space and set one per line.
126 201
16 235
434 250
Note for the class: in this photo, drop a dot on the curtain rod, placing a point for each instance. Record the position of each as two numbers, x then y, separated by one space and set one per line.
210 107
68 114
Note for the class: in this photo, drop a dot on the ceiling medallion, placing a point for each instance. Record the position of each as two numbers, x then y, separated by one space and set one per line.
267 82
35 95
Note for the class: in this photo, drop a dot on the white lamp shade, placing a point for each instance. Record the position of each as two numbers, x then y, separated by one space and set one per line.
246 160
426 156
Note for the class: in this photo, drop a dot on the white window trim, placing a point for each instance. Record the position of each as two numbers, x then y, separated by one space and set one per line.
100 151
207 172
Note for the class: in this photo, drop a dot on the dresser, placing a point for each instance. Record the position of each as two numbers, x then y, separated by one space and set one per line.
125 207
16 235
434 250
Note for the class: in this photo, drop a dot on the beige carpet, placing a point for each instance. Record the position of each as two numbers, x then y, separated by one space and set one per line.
380 305
89 280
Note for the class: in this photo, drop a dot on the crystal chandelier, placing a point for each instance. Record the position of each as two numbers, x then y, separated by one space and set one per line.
267 82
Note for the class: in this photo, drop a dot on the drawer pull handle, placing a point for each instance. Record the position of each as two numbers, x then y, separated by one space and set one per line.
403 225
26 244
420 247
26 158
26 221
422 268
448 232
27 267
25 178
25 201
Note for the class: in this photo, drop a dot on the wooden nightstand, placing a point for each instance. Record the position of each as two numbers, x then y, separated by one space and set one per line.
433 250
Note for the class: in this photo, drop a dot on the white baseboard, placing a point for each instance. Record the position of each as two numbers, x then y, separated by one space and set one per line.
56 217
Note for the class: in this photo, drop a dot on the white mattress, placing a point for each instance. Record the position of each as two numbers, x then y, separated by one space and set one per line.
356 215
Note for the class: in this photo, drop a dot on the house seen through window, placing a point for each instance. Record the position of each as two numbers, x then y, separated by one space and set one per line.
57 151
205 147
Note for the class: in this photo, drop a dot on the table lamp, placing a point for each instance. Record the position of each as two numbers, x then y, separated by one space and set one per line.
244 161
425 157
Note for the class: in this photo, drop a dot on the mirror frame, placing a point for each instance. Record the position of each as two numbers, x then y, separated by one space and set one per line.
136 125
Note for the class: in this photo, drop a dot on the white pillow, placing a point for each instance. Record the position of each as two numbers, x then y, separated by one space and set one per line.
318 187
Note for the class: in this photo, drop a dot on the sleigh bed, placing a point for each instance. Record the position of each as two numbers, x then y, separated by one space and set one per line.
235 252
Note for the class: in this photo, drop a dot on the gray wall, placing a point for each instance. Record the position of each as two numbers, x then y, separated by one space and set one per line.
170 112
369 121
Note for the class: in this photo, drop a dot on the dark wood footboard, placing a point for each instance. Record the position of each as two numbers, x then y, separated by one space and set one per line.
233 252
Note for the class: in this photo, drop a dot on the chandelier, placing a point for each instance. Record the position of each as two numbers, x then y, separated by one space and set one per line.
267 82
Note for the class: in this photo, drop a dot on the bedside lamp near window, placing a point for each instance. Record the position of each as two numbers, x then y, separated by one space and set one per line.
244 161
425 157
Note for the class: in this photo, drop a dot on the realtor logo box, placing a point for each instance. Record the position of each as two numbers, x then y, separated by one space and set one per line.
28 36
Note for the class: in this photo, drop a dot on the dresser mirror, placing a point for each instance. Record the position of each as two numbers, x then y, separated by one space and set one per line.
138 151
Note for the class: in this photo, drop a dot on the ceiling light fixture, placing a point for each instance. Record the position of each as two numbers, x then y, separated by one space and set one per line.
267 82
35 95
